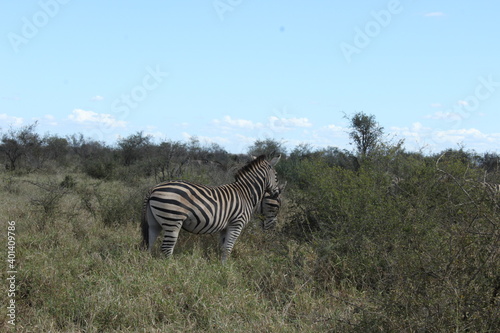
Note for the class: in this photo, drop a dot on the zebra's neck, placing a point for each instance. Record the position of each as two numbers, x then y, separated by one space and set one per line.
252 187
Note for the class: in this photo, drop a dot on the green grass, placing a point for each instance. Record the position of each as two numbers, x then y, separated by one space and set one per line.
348 256
80 270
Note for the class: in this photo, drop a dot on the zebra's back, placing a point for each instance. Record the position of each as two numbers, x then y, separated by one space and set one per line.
202 209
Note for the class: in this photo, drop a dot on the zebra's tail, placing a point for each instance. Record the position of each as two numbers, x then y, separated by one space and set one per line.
144 222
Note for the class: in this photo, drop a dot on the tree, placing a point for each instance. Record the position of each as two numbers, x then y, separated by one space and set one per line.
365 132
56 147
22 142
333 156
167 158
302 151
490 162
267 147
133 146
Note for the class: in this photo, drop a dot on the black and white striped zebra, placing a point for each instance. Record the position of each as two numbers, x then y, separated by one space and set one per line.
202 209
270 207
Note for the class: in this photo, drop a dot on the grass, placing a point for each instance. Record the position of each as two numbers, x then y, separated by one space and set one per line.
352 257
80 270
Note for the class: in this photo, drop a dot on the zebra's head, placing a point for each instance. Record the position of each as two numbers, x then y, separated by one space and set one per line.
262 170
270 207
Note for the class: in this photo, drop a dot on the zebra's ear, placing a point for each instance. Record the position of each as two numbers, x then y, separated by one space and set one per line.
254 157
275 160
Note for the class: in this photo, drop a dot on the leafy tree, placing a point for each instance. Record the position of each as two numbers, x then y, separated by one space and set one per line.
490 162
21 143
302 151
365 132
75 142
166 160
342 158
86 148
267 147
56 147
132 146
12 149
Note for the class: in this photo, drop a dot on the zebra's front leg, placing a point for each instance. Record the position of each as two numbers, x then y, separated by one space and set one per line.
227 239
170 237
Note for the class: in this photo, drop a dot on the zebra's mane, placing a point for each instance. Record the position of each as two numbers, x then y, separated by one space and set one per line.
249 166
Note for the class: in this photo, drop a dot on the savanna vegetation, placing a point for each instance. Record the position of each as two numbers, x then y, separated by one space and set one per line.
378 239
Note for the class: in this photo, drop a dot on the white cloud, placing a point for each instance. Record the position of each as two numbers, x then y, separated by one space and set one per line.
206 139
434 14
459 135
273 123
336 128
245 141
11 120
157 135
97 98
45 120
448 137
50 119
91 117
214 139
240 123
417 136
436 105
288 123
450 116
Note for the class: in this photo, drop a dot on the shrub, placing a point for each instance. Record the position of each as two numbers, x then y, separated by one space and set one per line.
47 200
112 203
68 182
99 169
424 250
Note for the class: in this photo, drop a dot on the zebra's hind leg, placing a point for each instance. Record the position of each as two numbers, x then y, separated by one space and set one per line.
154 228
170 237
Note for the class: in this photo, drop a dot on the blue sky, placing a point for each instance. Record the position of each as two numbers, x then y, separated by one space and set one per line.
233 71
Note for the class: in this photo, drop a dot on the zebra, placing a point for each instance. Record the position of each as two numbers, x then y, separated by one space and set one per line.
202 209
269 208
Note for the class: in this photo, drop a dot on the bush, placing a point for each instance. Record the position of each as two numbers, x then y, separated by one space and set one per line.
46 199
99 169
68 182
423 248
112 203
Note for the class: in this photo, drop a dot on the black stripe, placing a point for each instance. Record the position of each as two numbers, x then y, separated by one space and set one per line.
180 189
178 204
